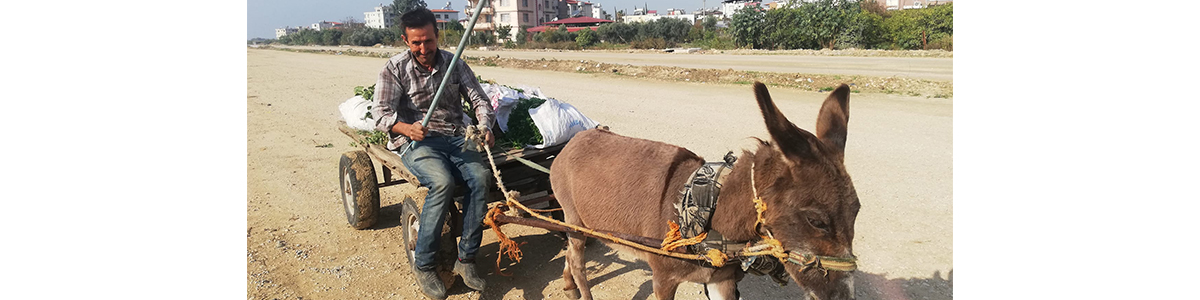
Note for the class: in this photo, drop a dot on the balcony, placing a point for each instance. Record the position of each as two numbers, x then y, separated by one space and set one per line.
480 26
486 11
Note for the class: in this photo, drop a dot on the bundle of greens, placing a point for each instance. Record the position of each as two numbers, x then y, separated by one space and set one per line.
374 136
521 129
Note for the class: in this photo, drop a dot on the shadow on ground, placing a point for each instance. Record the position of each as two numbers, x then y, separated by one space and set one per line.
540 270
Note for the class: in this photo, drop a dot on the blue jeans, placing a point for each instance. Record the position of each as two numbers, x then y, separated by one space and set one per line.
439 162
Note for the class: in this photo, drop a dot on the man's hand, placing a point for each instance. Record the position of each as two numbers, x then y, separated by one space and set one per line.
413 131
491 140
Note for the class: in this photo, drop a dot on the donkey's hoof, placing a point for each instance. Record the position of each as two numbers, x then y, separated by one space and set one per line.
572 294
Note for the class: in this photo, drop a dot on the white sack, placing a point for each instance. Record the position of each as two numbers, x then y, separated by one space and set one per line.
503 99
354 112
558 122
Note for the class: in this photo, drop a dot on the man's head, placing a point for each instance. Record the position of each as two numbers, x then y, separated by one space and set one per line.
421 34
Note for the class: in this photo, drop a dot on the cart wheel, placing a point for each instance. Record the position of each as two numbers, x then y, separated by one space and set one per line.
410 221
360 190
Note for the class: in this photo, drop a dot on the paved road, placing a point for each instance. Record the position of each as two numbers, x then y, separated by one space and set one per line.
940 69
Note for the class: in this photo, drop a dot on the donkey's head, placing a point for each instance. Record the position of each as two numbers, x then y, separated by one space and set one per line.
811 203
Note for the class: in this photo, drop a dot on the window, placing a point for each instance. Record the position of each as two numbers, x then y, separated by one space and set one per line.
526 15
503 2
504 17
525 3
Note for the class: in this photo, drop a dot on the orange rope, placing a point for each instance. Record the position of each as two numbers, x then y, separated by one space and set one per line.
507 245
674 239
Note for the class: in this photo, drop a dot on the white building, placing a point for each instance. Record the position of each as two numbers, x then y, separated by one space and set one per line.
599 13
280 32
730 7
444 16
691 18
325 25
380 18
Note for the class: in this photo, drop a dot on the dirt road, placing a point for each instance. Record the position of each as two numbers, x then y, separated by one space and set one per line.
299 245
911 67
941 69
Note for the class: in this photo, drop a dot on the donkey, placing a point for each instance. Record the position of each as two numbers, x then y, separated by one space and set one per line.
629 185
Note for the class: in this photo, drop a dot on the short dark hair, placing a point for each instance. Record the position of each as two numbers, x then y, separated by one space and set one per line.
418 18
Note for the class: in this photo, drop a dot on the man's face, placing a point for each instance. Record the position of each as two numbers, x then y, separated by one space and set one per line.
423 43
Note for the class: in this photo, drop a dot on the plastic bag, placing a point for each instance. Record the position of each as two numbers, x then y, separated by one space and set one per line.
558 122
503 100
354 112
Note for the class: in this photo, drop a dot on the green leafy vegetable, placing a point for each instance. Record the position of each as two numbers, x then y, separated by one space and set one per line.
374 137
366 92
521 129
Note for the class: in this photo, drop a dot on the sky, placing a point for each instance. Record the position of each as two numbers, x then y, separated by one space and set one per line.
263 16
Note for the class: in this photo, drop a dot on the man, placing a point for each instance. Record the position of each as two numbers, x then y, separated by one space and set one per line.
436 154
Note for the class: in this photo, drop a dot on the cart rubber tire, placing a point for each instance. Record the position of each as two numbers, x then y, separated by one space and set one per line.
410 217
360 189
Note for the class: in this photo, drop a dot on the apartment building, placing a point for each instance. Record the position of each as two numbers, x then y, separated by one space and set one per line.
325 25
381 18
444 16
280 32
912 4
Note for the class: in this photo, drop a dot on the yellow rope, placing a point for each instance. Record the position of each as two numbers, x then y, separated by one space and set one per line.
774 247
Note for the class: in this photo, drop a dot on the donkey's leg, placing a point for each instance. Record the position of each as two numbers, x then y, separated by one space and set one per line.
723 284
664 285
722 290
663 271
575 264
568 281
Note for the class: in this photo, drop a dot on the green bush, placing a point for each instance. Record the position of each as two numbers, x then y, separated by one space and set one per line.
523 35
559 45
651 43
586 37
916 28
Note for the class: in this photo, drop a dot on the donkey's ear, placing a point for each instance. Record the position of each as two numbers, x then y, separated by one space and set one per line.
831 122
795 143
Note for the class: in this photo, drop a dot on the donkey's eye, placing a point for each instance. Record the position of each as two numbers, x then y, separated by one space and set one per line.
818 223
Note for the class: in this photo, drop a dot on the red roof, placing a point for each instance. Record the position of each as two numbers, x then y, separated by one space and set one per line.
569 29
579 20
652 11
443 10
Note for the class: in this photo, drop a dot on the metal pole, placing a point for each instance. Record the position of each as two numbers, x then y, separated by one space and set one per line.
449 70
453 61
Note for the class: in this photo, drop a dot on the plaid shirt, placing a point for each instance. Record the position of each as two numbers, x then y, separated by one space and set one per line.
405 90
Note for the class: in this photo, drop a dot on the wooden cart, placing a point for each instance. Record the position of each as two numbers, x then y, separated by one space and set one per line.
360 187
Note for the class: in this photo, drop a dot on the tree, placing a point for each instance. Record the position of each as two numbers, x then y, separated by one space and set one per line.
399 7
747 25
350 23
330 37
617 33
503 31
823 21
586 37
523 35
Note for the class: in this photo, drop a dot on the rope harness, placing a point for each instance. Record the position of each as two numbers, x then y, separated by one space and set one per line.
753 256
